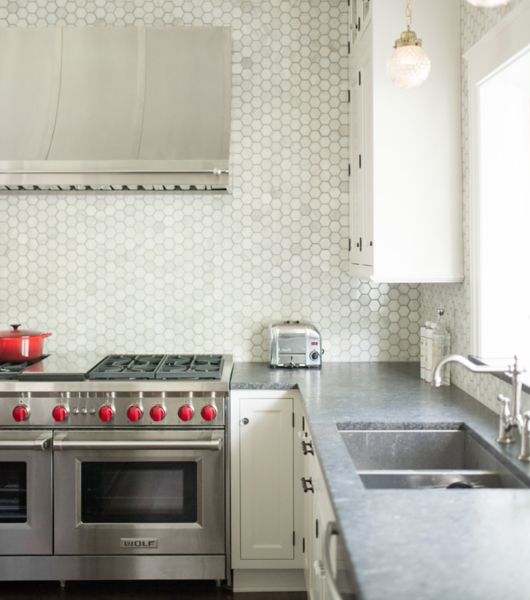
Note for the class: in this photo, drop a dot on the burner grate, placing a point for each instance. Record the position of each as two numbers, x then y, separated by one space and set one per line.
126 366
158 366
11 370
196 366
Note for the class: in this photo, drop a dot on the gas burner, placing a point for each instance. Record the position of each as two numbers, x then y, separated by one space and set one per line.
158 366
11 370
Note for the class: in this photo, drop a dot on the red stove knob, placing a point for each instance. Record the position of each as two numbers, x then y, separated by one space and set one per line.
186 412
158 413
106 413
134 413
60 414
21 413
209 412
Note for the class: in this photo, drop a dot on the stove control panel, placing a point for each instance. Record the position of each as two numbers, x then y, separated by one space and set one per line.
113 409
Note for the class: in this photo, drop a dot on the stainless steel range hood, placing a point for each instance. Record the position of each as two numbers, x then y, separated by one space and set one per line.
115 108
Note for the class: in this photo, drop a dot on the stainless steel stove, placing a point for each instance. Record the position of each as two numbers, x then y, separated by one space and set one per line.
115 471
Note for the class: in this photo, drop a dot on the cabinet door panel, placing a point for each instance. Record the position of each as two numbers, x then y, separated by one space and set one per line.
266 479
366 172
356 197
361 155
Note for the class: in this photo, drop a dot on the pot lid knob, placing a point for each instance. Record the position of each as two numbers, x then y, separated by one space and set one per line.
15 326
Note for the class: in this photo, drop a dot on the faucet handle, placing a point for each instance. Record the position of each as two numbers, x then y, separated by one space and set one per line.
503 399
505 435
515 368
525 438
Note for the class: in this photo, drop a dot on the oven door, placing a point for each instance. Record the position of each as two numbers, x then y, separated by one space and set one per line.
25 492
139 492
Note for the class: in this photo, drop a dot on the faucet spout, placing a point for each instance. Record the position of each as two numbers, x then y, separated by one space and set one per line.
462 360
510 416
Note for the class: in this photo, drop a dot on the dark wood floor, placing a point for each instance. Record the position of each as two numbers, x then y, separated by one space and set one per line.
119 590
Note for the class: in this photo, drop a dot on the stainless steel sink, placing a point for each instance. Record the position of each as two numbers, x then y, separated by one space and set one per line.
436 480
425 459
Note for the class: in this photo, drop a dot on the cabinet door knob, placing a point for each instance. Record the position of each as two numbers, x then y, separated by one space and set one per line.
245 421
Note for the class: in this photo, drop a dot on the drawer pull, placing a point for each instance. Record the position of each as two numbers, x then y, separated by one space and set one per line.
307 448
307 485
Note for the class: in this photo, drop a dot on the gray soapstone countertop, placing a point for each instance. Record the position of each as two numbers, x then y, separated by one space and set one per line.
410 544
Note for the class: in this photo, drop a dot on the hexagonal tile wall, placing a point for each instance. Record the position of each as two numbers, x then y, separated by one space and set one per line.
171 273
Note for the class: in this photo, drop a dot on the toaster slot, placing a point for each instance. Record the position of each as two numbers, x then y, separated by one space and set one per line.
292 344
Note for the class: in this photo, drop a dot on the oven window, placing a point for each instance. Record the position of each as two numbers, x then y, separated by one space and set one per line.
13 493
139 492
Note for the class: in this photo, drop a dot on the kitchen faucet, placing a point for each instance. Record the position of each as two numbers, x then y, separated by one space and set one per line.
510 417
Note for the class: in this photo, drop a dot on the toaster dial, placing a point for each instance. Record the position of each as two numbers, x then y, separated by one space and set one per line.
314 355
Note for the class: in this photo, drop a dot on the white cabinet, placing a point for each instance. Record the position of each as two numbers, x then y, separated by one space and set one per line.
405 192
266 495
361 192
363 12
319 513
360 12
266 478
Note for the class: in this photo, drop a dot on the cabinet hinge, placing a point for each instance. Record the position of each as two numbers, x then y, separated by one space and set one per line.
303 423
294 538
316 529
349 47
360 161
349 169
293 421
349 96
303 545
349 3
359 77
349 244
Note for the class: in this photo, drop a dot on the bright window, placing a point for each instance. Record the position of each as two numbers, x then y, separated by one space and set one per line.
502 211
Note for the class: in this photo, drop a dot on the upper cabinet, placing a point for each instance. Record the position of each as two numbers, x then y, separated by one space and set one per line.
359 16
405 162
363 14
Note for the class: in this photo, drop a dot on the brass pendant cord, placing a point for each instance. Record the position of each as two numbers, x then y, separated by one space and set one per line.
408 14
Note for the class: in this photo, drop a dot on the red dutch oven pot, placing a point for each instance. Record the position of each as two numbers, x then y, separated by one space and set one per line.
20 345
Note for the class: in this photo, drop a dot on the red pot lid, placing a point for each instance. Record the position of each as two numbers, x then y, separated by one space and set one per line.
16 332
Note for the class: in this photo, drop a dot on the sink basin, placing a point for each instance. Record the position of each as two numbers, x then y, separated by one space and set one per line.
434 480
425 459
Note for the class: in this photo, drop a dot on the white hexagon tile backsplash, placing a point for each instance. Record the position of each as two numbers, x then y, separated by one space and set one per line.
170 273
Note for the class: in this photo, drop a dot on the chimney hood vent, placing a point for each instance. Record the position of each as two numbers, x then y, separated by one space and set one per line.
103 108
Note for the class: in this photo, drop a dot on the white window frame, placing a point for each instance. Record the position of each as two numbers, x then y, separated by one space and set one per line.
503 44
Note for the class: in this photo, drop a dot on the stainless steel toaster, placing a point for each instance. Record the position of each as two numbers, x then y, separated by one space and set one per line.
295 344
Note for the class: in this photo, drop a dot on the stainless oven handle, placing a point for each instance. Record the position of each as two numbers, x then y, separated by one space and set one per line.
41 443
59 444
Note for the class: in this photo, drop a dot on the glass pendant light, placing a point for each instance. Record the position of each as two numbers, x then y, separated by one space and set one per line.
409 66
488 3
